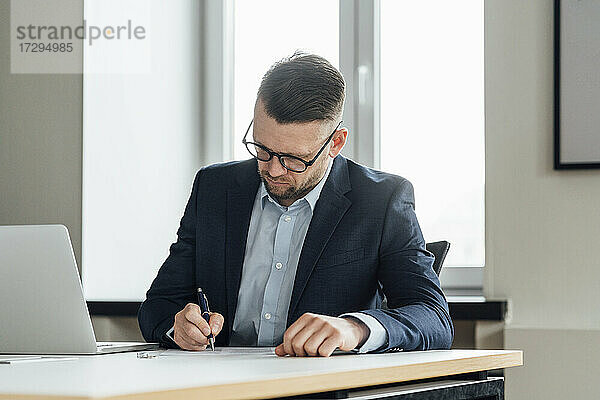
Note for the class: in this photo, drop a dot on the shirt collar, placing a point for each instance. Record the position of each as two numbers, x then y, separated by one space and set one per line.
311 197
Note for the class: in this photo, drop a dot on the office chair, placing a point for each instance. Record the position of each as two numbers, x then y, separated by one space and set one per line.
439 251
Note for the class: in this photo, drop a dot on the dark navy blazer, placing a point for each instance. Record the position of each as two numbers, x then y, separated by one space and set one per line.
363 241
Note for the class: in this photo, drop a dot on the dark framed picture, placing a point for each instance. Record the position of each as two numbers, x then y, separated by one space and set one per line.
576 84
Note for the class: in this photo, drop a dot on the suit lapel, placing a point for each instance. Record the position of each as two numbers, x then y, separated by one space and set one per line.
240 200
330 208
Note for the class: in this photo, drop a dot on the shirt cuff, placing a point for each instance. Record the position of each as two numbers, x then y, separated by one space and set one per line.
170 334
377 336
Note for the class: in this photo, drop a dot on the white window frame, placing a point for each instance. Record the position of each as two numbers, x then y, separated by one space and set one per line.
217 83
359 63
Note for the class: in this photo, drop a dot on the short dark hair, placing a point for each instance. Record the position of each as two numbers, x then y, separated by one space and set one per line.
302 88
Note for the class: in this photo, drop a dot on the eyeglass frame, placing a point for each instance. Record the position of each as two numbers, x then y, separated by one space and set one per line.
280 155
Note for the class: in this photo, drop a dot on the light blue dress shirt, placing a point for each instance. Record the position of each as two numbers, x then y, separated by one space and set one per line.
274 243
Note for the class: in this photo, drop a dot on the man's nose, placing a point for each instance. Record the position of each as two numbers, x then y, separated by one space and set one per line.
275 168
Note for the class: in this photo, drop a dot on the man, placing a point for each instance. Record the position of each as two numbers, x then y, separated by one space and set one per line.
295 247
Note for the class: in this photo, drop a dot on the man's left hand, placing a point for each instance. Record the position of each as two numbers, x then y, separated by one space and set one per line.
320 335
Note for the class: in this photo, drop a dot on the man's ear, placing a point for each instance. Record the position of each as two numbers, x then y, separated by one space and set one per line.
339 141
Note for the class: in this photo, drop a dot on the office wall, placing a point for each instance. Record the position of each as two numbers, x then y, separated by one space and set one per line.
542 225
40 143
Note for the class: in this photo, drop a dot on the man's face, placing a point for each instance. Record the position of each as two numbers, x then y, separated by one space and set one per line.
299 139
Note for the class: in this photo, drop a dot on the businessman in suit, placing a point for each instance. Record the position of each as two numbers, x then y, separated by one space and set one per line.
296 246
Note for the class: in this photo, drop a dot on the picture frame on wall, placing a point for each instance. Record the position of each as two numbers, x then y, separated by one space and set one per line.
576 84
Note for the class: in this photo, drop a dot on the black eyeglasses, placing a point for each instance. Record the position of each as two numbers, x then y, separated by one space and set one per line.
289 162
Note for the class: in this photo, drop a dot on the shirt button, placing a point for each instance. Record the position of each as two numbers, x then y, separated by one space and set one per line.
267 315
278 265
287 218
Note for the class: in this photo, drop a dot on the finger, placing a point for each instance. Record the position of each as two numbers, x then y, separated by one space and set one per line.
311 347
186 344
192 334
330 344
298 347
279 350
303 336
216 323
289 334
194 315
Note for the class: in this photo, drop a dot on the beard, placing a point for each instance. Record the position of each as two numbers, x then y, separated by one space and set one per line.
289 193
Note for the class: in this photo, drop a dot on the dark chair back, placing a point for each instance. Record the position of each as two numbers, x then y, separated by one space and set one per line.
439 250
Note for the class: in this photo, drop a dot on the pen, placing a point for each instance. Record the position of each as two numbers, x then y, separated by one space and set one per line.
203 303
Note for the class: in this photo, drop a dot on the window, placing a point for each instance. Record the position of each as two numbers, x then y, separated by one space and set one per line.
415 77
141 149
269 30
432 117
414 106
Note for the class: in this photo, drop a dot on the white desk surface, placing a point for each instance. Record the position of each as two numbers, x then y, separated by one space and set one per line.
181 374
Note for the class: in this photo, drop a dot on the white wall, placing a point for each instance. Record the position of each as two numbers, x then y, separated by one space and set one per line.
542 225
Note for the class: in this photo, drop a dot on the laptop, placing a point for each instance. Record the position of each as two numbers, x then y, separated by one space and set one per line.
42 308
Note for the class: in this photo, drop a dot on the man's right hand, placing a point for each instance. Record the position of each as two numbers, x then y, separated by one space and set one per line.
191 330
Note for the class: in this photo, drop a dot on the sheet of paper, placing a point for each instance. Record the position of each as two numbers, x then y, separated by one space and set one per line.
20 360
222 351
245 350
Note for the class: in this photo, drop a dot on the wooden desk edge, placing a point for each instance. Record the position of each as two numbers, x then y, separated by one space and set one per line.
271 388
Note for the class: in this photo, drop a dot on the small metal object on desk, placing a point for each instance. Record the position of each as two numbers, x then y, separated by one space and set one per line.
148 354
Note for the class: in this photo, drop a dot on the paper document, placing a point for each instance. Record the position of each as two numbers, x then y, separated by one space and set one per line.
31 359
222 351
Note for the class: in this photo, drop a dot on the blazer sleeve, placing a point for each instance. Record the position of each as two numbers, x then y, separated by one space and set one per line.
417 317
173 286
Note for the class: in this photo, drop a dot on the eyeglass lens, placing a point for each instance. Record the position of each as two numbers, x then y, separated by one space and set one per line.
261 154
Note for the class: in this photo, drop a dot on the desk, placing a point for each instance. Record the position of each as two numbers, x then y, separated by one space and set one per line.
177 374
